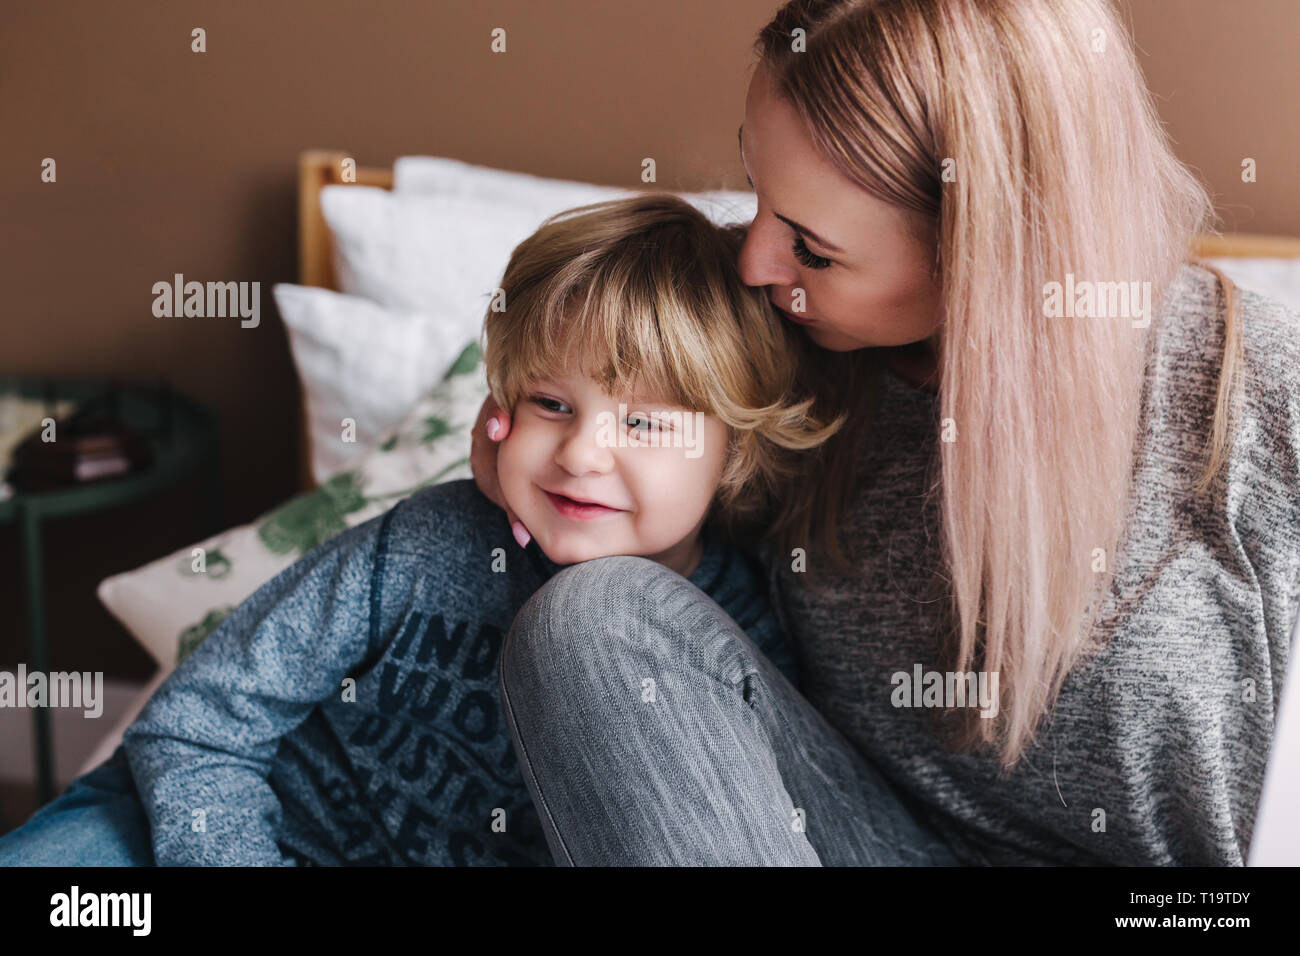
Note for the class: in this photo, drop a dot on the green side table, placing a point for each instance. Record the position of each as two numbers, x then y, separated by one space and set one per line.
185 440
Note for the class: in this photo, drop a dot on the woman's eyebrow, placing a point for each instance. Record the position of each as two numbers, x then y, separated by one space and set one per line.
798 227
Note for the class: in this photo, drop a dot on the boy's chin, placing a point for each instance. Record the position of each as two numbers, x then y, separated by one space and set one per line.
573 552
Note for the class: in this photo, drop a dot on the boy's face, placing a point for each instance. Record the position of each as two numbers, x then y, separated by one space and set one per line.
654 468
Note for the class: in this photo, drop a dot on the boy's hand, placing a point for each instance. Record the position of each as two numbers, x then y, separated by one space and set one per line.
483 460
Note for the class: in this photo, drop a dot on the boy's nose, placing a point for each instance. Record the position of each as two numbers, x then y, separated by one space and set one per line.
582 452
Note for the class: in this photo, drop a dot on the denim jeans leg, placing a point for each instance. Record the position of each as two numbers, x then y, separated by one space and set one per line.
651 731
97 821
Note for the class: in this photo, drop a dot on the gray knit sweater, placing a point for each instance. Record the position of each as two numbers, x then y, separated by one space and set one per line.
1158 738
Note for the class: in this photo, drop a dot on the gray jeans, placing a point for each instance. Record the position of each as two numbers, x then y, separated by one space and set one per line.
651 731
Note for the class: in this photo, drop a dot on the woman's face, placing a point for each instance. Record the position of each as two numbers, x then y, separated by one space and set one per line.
866 281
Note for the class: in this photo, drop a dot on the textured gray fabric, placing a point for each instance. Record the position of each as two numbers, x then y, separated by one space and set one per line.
1155 731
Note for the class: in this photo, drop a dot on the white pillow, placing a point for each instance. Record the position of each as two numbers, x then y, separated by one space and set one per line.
439 175
444 252
357 360
442 255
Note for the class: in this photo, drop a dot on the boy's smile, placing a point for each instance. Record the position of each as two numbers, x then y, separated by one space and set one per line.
588 484
579 509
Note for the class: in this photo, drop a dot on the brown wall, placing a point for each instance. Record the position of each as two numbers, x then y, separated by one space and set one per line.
1227 86
171 161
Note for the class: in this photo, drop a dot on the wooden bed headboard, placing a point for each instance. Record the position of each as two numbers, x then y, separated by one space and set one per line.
318 168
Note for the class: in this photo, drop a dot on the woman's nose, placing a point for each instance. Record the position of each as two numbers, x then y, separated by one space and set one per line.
765 256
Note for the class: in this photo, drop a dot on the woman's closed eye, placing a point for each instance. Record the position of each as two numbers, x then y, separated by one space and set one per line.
801 251
807 256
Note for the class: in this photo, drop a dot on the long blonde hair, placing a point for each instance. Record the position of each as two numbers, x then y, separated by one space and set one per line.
1021 136
647 289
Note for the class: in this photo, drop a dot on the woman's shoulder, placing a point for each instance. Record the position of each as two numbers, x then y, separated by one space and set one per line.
1189 358
1259 493
1193 334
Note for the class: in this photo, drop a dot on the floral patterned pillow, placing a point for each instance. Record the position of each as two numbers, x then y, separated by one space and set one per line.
172 604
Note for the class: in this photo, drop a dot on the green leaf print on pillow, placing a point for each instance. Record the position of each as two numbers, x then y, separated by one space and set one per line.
216 565
467 361
193 636
435 428
311 518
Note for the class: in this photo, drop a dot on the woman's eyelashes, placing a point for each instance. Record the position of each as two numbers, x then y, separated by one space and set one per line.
807 256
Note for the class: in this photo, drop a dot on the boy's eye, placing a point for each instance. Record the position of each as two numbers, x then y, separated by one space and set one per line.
638 421
650 424
543 402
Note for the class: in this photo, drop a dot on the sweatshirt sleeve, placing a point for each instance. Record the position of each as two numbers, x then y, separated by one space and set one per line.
202 748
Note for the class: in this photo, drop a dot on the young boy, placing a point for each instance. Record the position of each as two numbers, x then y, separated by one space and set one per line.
348 712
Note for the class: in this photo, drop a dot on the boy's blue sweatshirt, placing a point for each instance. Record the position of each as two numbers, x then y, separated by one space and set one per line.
348 711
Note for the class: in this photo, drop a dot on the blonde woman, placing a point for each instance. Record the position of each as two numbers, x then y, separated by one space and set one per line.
1041 585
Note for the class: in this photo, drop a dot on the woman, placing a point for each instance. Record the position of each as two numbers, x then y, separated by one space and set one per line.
1042 589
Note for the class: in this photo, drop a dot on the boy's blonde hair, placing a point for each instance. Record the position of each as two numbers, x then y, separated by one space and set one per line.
647 290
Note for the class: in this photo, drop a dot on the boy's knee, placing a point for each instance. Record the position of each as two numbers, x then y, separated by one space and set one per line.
567 616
